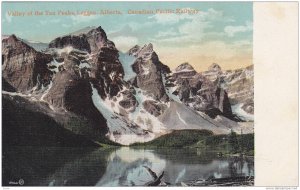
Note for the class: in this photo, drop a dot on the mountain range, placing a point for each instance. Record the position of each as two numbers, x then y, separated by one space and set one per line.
81 90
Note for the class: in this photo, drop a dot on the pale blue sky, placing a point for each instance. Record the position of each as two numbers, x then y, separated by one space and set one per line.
221 32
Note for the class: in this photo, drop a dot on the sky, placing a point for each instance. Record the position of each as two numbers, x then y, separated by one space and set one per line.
221 32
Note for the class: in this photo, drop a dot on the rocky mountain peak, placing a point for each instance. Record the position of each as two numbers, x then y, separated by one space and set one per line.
148 47
134 50
23 67
184 67
12 37
98 32
149 70
91 41
83 30
214 67
3 36
146 50
12 42
83 78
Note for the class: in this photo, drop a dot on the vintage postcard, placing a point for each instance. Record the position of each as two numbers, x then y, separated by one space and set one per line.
127 94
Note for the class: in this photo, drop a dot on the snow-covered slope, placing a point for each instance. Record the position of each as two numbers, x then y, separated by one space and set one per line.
138 126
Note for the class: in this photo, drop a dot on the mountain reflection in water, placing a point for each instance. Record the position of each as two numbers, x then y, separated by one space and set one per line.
125 166
116 167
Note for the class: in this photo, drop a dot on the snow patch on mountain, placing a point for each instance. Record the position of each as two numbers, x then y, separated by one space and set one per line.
46 91
183 70
146 70
179 117
84 65
67 50
238 110
16 94
53 66
144 119
122 130
170 90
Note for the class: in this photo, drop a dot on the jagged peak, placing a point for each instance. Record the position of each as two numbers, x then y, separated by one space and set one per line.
184 67
84 30
90 31
150 45
12 37
134 50
147 47
146 51
138 51
214 67
135 47
97 31
18 43
91 41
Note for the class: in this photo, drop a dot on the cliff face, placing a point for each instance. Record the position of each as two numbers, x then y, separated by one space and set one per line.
95 63
22 66
238 83
149 72
198 91
90 41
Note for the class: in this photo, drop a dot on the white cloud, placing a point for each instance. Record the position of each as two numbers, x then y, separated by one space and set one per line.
137 25
199 22
51 21
169 18
167 33
124 43
191 28
232 30
8 18
82 19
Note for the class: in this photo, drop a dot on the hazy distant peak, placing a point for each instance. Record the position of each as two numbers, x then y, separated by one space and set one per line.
214 67
184 67
83 30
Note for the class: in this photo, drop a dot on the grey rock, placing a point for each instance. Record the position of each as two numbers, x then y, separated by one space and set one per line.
154 108
239 84
149 72
22 66
129 102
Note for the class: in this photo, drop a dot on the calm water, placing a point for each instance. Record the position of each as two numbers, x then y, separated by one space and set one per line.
115 167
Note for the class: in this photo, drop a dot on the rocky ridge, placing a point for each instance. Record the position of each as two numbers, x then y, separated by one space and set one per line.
130 97
238 83
23 67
